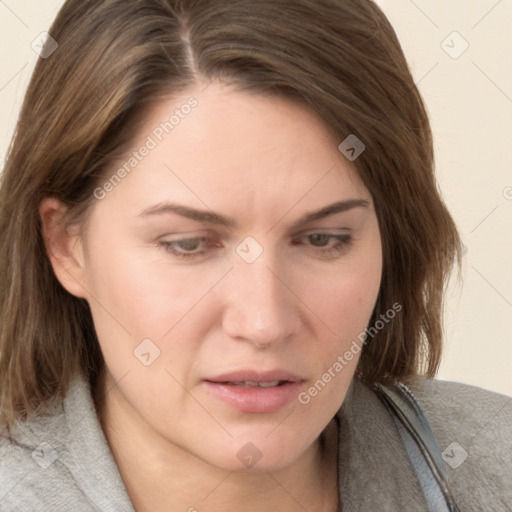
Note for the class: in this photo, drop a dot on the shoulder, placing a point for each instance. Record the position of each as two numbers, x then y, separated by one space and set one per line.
60 460
453 407
33 463
473 427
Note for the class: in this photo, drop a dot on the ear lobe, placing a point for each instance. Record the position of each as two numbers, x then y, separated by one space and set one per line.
63 247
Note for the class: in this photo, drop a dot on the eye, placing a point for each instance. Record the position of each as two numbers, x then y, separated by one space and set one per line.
319 239
189 244
188 248
325 244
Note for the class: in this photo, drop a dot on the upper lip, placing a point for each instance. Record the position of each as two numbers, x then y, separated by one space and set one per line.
252 375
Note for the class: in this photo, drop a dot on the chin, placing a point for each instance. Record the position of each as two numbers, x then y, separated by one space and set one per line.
260 452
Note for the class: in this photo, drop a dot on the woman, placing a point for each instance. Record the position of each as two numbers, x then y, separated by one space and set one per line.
223 261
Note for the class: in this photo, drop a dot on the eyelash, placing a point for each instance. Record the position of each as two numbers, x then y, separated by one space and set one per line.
344 241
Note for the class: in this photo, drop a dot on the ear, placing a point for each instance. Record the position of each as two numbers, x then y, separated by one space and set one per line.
63 247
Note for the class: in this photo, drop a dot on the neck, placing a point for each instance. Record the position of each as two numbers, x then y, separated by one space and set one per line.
161 476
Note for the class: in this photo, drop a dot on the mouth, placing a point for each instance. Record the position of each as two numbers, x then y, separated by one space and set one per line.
255 392
253 384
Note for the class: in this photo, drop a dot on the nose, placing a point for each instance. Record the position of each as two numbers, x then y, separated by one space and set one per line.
259 307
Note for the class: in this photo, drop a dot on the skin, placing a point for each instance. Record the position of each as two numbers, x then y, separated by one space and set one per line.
264 162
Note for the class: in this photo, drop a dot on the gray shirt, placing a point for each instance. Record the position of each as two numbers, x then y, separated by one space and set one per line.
62 462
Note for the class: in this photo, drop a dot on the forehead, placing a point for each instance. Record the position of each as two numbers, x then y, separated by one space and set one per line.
226 149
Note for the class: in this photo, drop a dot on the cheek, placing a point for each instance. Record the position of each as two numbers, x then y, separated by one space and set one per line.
344 303
140 290
135 296
344 299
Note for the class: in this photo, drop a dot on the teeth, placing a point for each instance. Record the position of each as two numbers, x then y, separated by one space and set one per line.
269 384
248 383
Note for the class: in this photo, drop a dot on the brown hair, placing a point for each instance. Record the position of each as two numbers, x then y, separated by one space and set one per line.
340 57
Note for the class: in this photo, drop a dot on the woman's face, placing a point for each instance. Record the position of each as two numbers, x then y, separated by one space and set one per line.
239 246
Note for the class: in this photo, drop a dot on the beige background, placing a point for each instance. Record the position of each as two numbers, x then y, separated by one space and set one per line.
469 98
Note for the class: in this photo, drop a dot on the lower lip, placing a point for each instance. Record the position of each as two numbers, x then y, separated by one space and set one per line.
255 399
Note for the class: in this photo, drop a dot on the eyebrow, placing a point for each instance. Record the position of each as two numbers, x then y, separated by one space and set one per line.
210 217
